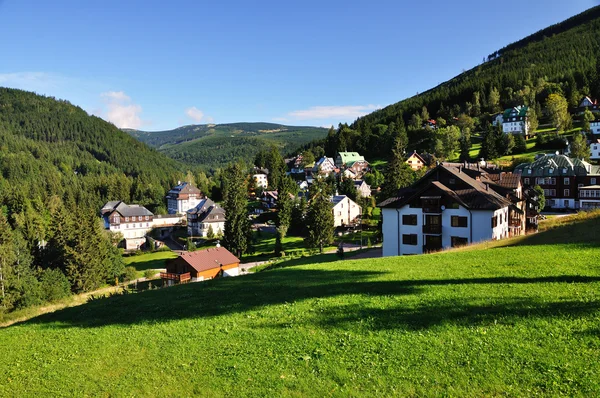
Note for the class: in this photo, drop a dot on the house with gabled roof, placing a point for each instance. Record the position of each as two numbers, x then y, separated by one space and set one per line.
133 222
363 189
445 208
205 216
201 265
324 166
416 161
588 103
345 211
183 197
352 161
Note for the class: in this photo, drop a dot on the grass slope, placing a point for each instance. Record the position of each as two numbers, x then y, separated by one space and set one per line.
518 321
216 145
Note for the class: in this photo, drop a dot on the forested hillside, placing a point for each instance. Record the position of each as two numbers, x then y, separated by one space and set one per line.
57 167
211 146
561 59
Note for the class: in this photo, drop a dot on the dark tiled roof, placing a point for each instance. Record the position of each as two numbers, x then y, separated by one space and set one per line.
125 210
207 211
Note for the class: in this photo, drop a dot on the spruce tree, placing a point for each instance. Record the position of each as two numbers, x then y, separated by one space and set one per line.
398 174
320 220
237 226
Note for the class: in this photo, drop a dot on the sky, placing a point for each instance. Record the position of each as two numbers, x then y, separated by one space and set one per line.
158 65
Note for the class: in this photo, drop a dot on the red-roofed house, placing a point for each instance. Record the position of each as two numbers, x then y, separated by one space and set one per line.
201 265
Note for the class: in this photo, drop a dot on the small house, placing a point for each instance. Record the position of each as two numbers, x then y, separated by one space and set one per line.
201 265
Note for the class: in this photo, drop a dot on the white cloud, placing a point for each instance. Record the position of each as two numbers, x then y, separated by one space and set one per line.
120 110
348 112
194 113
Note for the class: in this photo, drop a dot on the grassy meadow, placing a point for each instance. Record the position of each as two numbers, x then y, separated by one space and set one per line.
518 320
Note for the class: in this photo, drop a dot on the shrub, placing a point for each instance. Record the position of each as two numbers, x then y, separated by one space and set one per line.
129 274
54 284
149 273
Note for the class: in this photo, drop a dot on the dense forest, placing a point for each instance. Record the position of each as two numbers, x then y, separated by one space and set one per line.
58 165
212 146
561 59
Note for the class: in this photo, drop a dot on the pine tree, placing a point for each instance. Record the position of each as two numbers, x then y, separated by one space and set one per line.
210 234
237 226
465 145
398 174
285 204
579 147
320 220
7 257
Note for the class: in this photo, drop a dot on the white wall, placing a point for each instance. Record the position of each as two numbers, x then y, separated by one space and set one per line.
390 231
448 231
345 211
231 272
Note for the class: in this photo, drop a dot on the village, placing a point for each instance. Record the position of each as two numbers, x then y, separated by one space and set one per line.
451 204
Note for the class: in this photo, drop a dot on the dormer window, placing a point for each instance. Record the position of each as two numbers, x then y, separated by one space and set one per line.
551 171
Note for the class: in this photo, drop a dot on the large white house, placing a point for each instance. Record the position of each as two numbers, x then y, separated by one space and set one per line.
132 221
183 197
446 208
345 210
205 216
515 120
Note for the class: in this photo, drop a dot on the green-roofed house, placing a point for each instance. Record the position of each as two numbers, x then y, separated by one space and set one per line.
352 161
515 120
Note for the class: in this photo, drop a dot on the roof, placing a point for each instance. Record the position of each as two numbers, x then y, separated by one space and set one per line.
203 260
125 210
337 199
505 180
350 157
553 165
207 211
184 188
591 187
520 111
359 183
416 155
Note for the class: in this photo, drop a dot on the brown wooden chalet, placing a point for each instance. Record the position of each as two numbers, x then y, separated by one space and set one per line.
201 265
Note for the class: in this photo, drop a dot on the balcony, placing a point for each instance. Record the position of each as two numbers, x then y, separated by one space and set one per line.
514 223
432 229
179 278
431 204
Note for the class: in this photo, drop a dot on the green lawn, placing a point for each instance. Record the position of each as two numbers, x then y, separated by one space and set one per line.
147 261
264 249
510 321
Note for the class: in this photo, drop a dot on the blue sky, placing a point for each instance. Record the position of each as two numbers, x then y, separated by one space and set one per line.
157 65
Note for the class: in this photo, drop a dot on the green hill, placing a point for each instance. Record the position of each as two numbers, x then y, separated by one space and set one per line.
522 320
559 59
215 145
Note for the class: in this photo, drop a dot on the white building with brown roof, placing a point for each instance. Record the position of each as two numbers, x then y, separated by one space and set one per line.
183 197
446 208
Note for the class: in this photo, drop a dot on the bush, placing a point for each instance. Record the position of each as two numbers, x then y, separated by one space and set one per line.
129 274
54 285
149 273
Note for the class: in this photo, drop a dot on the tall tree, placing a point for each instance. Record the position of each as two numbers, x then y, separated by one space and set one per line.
319 218
532 120
465 145
287 191
586 118
579 147
558 109
237 225
398 173
494 100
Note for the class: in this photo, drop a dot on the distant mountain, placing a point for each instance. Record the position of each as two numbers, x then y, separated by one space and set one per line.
215 145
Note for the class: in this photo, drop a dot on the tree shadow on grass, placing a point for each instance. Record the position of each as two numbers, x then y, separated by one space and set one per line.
237 295
456 312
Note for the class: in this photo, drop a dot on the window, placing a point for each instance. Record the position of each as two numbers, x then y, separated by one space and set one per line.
549 192
457 241
409 239
458 221
139 218
526 181
567 181
566 203
567 192
126 219
409 219
592 181
147 218
494 222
